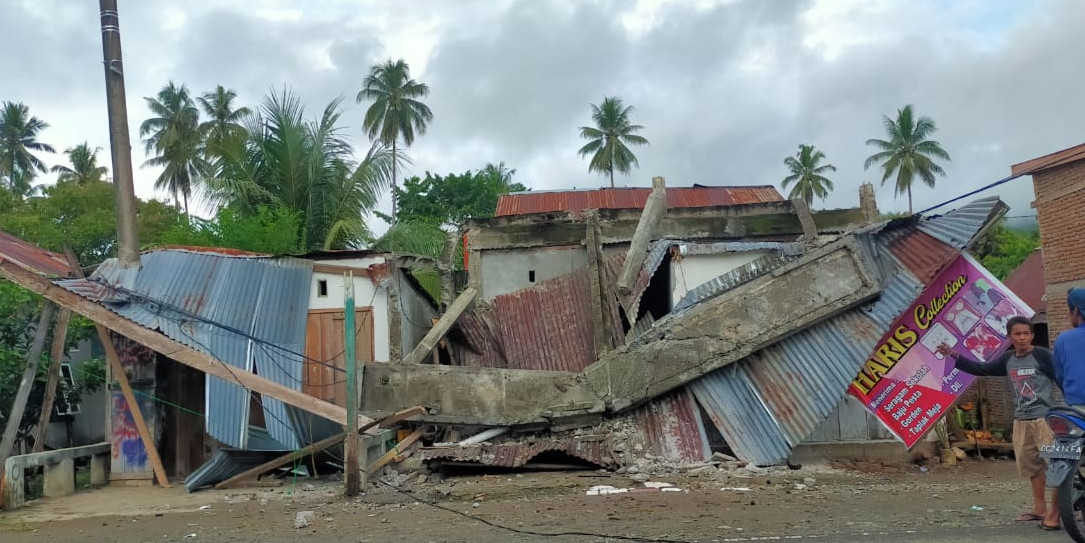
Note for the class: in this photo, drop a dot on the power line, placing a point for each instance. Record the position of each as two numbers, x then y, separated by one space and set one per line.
972 193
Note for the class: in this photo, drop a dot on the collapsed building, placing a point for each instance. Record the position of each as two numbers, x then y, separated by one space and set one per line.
594 325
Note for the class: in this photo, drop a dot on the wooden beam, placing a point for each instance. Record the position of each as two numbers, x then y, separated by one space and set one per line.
27 382
392 454
60 337
133 406
314 448
334 269
429 341
170 348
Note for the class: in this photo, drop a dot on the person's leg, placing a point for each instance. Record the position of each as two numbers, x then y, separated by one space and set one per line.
1025 454
1042 435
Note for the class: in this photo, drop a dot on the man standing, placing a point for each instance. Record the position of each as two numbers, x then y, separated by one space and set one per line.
1032 378
1070 351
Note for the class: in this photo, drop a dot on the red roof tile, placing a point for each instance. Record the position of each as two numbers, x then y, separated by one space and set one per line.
575 201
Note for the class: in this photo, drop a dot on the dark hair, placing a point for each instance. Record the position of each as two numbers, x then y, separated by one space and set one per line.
1014 321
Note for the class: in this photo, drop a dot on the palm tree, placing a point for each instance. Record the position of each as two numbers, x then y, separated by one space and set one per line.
174 140
608 138
806 174
18 139
908 153
223 120
396 111
85 168
499 172
304 166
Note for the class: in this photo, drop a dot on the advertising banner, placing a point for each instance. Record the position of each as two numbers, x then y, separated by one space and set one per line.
908 385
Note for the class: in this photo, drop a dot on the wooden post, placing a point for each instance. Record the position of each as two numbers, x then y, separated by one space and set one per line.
396 451
60 337
31 371
350 448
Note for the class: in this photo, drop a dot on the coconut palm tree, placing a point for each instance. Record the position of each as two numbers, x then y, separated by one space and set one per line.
807 174
305 166
173 139
397 111
609 138
19 133
908 153
84 169
224 121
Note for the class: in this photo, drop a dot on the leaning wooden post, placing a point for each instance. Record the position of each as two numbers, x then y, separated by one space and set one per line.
350 447
60 337
31 371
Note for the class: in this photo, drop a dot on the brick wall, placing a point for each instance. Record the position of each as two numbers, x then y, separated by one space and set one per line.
1060 209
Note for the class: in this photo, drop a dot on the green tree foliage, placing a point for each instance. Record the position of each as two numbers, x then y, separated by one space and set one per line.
84 165
1002 250
608 140
224 121
83 217
305 167
807 174
269 230
19 132
173 140
397 111
449 201
908 152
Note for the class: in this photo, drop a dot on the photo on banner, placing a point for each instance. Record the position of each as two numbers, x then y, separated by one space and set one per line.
904 382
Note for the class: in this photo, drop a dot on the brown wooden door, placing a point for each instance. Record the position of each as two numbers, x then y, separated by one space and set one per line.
325 365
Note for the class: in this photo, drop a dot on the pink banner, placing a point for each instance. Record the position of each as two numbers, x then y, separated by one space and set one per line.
904 382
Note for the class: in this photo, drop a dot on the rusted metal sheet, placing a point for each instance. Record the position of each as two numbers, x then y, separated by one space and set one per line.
548 327
921 254
670 426
31 257
575 201
597 450
1027 282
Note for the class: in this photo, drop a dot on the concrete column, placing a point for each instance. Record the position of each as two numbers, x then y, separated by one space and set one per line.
868 203
60 478
99 469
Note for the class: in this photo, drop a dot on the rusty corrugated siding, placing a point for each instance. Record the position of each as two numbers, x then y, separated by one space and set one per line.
575 201
1027 282
594 449
30 257
921 254
670 426
548 327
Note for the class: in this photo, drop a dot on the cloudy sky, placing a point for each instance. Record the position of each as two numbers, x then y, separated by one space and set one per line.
724 89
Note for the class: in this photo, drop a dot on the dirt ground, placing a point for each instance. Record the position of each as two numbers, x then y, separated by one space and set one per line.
852 501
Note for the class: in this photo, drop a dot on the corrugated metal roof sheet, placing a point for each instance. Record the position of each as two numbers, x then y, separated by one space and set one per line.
959 227
671 426
548 327
575 201
770 401
919 254
181 293
31 257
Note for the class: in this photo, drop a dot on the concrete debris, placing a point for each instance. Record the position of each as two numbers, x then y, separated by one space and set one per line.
657 484
704 470
735 489
809 481
600 490
640 477
720 457
304 519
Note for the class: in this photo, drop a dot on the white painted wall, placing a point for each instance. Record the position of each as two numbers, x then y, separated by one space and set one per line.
695 270
365 294
506 270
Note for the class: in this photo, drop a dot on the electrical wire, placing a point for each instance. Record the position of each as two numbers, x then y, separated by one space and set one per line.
970 193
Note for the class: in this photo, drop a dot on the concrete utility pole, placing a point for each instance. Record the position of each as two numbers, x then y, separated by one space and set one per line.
350 446
119 142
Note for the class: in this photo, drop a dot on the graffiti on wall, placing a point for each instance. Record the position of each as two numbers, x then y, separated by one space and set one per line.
129 456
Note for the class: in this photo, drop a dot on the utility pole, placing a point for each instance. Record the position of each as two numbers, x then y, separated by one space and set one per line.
350 446
119 142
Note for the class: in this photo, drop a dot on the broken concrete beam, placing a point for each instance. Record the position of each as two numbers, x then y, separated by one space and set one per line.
809 230
476 396
654 209
725 329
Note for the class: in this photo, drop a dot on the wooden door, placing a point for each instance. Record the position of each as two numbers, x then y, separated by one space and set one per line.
325 365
